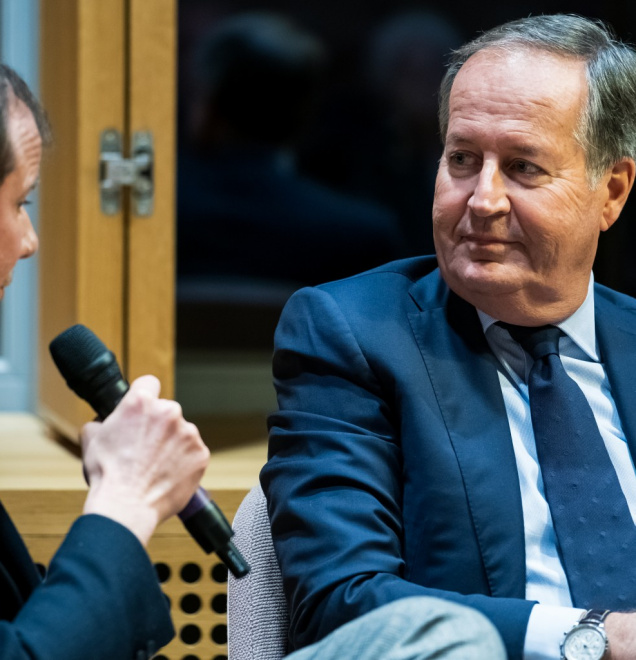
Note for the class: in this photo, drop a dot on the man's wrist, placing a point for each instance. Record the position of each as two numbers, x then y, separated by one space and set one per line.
139 519
621 632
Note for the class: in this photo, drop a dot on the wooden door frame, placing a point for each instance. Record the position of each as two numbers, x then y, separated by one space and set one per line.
106 65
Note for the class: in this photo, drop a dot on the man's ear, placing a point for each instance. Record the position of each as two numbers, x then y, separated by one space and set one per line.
619 184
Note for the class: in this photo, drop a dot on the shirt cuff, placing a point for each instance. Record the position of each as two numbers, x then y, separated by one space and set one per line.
546 627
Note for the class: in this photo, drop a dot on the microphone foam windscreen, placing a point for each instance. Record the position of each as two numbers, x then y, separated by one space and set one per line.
74 349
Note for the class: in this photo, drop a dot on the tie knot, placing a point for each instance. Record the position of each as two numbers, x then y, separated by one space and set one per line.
539 342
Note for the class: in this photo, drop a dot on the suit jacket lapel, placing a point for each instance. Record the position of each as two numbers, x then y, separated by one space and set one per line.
616 334
463 372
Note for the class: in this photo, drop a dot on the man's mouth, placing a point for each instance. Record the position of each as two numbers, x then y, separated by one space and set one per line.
485 240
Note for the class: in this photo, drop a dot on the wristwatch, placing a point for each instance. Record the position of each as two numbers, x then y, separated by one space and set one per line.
587 639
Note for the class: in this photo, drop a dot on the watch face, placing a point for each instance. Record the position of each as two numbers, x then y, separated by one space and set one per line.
584 643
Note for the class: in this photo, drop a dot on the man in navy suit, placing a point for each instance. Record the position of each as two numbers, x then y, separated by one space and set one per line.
100 598
402 461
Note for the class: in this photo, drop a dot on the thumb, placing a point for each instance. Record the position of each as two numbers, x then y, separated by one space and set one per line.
148 384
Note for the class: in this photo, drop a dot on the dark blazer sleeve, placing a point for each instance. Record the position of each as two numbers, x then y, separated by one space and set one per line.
333 480
99 600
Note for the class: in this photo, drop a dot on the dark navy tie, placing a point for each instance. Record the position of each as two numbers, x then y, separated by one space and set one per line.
593 525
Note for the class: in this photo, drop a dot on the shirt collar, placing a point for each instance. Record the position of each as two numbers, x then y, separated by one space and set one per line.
579 327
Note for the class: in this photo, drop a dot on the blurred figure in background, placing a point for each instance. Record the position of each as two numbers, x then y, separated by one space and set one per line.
386 143
243 209
407 60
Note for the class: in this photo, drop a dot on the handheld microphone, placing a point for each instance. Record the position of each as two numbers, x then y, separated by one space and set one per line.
92 372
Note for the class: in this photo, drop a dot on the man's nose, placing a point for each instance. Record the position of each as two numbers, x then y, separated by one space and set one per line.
490 196
30 241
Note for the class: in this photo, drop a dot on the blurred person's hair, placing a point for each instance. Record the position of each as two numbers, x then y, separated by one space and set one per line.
407 36
261 73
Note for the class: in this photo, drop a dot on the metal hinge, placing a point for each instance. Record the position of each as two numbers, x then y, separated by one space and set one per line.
116 171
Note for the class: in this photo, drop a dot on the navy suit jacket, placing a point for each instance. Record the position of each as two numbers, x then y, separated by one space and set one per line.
391 470
100 598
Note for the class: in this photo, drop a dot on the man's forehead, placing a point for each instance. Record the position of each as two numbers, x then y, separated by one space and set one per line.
21 124
26 145
522 63
517 80
19 111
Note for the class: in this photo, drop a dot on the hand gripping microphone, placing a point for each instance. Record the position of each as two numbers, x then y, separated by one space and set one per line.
92 372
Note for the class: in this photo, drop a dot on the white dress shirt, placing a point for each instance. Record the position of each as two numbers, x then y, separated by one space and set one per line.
545 577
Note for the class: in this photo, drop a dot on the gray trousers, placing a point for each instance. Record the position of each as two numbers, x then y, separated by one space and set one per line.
416 628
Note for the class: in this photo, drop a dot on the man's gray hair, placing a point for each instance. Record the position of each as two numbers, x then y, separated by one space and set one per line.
607 129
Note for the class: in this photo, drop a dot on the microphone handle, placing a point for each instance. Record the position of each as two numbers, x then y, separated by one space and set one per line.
211 530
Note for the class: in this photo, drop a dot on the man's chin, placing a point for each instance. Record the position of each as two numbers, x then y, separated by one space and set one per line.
478 282
486 276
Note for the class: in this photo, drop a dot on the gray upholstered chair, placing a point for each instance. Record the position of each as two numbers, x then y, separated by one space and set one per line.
258 619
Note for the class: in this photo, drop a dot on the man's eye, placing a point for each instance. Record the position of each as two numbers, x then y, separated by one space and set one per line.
524 167
461 159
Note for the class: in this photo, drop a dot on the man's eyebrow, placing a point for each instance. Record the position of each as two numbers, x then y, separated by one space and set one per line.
528 150
456 138
531 150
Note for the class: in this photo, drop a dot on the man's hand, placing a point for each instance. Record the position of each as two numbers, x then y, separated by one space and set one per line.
621 633
144 462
